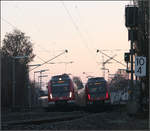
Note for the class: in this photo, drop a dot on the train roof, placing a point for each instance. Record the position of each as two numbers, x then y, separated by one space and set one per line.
58 77
95 79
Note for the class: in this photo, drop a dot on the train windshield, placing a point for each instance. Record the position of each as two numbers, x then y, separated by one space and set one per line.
97 87
59 86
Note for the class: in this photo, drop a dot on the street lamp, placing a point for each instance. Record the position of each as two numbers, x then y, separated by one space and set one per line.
41 79
41 74
40 71
14 80
29 88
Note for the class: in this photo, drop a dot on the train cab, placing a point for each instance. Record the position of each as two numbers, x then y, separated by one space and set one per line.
96 91
61 90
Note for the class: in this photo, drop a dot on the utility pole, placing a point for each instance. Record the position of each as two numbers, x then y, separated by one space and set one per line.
41 79
103 66
131 22
105 62
66 51
111 58
132 84
40 71
35 101
29 88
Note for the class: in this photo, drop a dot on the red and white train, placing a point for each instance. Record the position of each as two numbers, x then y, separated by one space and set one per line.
96 91
61 90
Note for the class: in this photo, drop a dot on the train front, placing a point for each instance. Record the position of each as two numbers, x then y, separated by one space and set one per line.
61 91
96 91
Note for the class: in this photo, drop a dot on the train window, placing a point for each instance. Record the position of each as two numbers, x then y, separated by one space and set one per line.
96 79
60 87
97 86
60 77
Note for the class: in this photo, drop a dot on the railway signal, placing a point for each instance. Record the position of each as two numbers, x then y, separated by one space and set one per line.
127 57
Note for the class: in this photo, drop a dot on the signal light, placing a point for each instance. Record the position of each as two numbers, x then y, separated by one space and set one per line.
131 16
126 57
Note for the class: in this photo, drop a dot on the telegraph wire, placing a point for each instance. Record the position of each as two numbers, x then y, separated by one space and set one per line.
92 40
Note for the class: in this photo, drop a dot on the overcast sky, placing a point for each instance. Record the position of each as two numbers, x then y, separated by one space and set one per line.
80 27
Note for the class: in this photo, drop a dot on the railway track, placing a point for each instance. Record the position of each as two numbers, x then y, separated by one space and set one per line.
58 117
25 120
46 120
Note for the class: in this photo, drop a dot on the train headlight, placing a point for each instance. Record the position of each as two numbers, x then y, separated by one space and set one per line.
70 95
51 95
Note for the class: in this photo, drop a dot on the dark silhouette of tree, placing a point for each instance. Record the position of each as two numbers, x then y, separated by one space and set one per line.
17 44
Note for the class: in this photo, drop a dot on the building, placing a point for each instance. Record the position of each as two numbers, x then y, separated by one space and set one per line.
141 38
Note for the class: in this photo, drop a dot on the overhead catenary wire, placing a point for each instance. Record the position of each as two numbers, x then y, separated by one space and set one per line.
6 21
50 60
78 30
15 27
81 36
37 28
101 50
83 26
40 58
111 57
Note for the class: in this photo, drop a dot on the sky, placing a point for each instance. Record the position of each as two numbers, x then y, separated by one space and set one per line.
81 27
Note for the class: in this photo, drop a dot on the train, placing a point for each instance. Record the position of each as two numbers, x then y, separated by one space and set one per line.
96 91
63 89
66 90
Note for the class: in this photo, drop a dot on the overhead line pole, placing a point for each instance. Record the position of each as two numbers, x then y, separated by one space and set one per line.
105 62
50 59
111 58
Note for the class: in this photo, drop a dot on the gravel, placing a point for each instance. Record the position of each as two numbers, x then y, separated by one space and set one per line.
92 121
